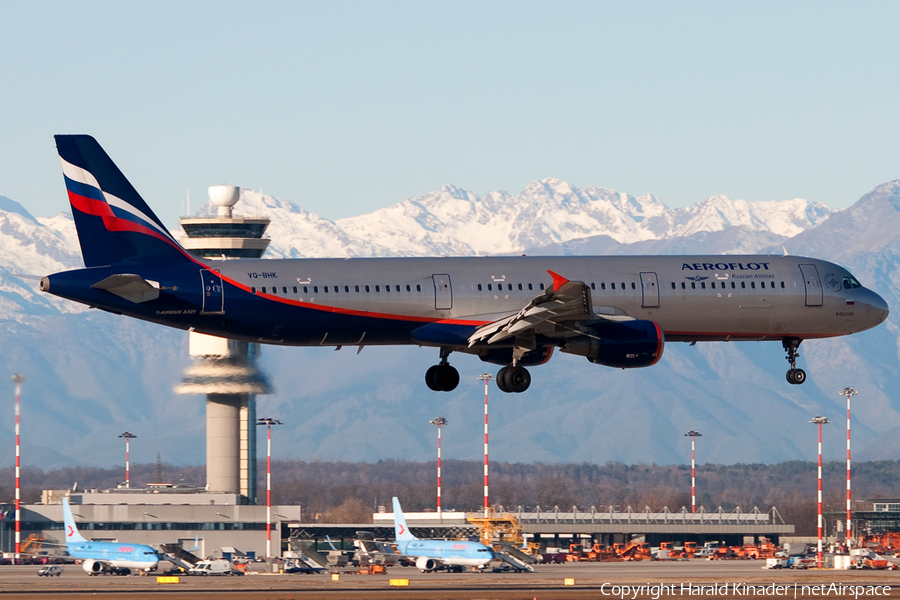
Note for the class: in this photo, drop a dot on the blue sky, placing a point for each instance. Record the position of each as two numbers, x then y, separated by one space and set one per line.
347 107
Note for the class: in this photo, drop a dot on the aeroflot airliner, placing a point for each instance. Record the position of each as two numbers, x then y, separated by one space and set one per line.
617 311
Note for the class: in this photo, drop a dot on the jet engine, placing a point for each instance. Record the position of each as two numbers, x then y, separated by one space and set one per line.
423 563
619 344
92 567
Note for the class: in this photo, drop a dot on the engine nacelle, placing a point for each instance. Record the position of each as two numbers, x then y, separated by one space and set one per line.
623 344
423 563
92 567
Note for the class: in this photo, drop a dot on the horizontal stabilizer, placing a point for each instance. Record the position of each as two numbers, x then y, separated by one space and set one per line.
133 288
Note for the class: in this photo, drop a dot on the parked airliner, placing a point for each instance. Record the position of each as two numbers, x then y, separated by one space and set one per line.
617 311
433 555
99 557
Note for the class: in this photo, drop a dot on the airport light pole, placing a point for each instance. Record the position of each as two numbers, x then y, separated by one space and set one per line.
18 379
819 421
268 423
128 437
439 421
486 377
693 434
849 392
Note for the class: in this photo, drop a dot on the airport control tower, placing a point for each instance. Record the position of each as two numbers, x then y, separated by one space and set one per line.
226 370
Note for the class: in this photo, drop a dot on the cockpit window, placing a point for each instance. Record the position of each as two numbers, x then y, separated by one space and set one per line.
850 283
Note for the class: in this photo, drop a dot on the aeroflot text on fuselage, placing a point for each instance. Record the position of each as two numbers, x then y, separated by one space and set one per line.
725 266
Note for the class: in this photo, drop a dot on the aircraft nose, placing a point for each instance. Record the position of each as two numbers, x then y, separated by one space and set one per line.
877 308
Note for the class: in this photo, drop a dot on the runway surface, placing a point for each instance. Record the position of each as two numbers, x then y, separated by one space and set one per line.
666 580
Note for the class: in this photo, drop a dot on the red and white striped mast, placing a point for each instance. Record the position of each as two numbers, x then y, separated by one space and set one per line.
849 392
268 423
486 377
819 421
18 379
128 437
692 434
439 421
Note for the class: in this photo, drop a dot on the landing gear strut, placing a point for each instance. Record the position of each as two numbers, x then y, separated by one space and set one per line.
442 377
794 375
514 379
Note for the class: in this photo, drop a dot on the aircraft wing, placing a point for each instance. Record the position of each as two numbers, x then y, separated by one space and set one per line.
565 301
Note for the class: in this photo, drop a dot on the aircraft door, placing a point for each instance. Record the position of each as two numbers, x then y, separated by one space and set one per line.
812 284
213 293
443 293
649 290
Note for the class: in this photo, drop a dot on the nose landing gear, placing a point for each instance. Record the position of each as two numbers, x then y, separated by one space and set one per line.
794 375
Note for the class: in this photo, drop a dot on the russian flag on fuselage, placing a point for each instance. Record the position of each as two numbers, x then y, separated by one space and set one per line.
113 221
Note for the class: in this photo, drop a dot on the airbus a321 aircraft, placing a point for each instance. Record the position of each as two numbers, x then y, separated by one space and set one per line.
433 555
617 311
99 557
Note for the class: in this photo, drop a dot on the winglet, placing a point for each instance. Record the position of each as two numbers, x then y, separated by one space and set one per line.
72 534
558 280
401 531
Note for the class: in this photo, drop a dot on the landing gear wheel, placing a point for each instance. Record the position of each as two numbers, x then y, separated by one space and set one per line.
518 379
501 380
431 379
796 376
442 378
447 378
514 380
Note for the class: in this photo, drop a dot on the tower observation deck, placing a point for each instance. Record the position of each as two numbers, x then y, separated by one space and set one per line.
225 235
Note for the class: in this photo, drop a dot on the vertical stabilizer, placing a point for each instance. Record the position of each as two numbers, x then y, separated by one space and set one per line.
113 221
72 534
401 531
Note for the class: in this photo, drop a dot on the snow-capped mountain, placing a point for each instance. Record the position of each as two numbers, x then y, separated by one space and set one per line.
456 222
91 375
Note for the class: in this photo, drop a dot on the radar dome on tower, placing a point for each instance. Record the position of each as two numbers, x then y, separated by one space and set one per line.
225 197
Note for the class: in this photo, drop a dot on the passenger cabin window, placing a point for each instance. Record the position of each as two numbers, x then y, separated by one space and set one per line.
520 286
703 285
683 286
398 288
673 285
529 287
315 289
490 288
305 289
541 285
743 285
419 287
284 289
377 288
732 285
633 286
782 285
693 285
252 290
347 289
357 288
367 289
407 289
479 287
295 289
602 286
613 285
264 290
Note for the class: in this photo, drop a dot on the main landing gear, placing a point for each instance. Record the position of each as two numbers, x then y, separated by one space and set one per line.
442 377
513 379
794 375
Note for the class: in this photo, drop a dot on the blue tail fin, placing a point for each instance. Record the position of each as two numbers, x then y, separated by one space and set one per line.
113 221
401 531
72 534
